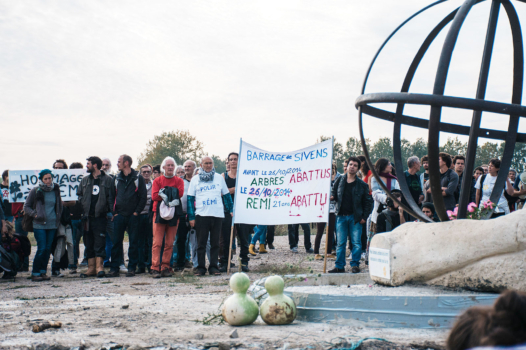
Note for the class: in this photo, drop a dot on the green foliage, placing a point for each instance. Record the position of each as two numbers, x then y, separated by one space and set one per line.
338 154
219 164
179 144
383 148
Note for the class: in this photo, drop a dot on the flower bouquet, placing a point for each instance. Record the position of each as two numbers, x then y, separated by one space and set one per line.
474 212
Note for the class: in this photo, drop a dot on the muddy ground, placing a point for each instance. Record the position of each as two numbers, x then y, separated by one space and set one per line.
142 312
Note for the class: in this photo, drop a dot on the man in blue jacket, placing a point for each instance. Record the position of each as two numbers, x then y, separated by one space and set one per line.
130 200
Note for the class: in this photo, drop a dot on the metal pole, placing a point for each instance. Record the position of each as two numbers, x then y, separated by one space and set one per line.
465 189
436 111
234 212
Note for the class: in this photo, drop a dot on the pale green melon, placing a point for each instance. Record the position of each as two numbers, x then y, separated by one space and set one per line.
240 309
277 308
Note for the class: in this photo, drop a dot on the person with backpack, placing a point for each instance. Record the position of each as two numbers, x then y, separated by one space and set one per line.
392 217
130 199
44 206
167 191
485 185
95 195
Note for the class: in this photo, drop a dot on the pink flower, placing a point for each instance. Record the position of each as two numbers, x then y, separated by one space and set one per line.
450 214
471 207
455 211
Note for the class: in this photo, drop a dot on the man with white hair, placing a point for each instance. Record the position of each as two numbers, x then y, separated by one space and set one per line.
413 181
206 194
164 229
130 199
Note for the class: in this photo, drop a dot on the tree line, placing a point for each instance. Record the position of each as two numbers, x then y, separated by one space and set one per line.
383 148
181 145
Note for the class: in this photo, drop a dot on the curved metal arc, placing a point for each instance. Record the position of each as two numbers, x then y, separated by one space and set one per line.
474 133
389 38
360 121
442 101
444 127
434 117
397 129
518 80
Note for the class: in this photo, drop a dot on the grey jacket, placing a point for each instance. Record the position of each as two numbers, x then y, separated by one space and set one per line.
106 194
35 199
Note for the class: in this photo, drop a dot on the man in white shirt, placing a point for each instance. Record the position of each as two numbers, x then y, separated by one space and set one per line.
205 210
485 185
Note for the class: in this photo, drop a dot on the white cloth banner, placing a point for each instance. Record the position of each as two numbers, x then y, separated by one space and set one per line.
22 181
276 188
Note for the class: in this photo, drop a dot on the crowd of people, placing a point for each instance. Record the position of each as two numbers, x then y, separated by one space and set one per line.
179 217
360 207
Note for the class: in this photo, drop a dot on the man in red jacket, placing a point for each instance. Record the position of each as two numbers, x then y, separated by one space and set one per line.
162 228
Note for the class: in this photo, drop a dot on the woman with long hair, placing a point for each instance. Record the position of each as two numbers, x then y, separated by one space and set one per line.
384 168
44 205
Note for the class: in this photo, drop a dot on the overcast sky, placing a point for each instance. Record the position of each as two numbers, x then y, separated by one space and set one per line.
82 78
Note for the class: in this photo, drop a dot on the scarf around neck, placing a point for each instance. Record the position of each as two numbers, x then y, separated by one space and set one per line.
206 177
45 187
388 176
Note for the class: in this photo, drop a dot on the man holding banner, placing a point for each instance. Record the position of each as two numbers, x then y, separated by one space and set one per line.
353 206
276 188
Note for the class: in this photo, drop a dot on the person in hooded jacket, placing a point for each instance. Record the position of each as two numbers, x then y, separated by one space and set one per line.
44 205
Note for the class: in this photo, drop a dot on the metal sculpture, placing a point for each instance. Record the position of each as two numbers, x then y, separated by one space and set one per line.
437 100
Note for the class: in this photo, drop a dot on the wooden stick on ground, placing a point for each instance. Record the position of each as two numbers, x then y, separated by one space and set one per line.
45 325
230 248
326 245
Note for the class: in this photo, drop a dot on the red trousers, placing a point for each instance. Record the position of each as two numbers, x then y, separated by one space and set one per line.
161 231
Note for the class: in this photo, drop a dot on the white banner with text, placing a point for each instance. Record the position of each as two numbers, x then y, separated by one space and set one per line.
276 188
22 181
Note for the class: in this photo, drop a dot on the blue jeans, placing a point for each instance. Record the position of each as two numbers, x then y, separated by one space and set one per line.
260 233
44 240
78 232
18 226
129 223
346 226
181 252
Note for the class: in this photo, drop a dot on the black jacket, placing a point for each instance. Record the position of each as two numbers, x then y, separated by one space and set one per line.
171 194
129 197
106 198
361 199
387 221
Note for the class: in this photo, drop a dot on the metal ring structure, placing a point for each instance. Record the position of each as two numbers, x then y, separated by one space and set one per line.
437 100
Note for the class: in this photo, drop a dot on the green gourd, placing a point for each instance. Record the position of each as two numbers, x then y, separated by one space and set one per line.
277 308
240 309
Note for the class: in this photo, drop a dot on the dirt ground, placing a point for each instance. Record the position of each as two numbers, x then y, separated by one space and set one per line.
142 312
